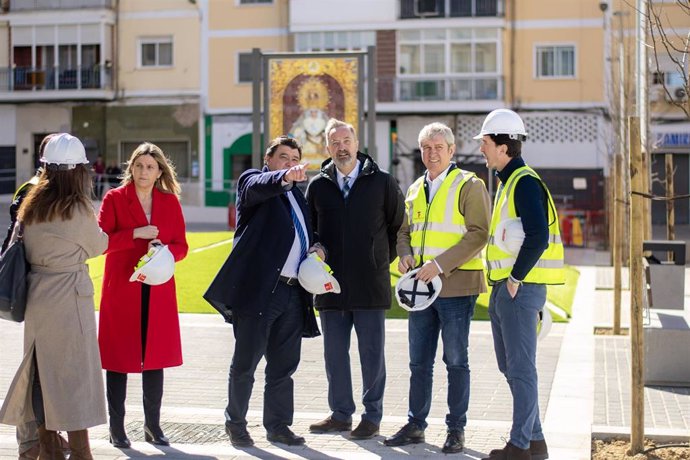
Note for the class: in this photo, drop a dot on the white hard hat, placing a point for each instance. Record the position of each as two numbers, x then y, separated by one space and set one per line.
544 324
155 267
509 236
416 295
64 149
503 121
316 277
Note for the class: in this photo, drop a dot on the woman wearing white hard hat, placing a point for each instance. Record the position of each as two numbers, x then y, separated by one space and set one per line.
61 372
139 329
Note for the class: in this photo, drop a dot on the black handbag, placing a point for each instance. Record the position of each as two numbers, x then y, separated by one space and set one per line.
13 282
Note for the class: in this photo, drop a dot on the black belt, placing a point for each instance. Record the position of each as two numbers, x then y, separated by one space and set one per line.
289 281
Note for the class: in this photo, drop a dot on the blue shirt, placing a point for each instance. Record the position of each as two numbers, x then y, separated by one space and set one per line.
531 205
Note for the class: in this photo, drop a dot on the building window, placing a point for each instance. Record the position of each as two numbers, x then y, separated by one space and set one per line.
448 64
555 61
156 52
412 9
244 67
334 41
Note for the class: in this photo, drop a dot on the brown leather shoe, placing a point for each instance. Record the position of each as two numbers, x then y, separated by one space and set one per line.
539 450
79 445
365 430
509 452
330 425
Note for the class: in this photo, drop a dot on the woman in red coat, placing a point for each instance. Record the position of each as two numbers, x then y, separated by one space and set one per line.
139 328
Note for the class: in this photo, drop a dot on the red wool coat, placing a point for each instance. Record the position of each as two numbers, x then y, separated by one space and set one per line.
119 330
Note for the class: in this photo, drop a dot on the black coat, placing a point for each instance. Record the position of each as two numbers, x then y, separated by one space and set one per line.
359 234
264 236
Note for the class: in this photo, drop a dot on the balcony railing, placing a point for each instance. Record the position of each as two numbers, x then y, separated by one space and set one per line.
54 78
31 5
412 9
440 89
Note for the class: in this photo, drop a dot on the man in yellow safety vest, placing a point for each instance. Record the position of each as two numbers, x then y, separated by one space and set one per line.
445 229
524 254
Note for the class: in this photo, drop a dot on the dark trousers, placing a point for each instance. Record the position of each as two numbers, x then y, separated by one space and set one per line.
277 335
152 386
151 380
370 328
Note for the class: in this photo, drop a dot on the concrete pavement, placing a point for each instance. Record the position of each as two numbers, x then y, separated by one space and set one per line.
196 394
584 389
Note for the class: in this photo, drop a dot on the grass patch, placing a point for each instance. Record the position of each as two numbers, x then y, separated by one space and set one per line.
208 251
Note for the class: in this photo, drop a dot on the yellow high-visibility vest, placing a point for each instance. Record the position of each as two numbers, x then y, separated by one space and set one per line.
438 225
23 188
549 267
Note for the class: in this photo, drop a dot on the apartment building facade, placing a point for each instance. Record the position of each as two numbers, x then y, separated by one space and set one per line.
114 73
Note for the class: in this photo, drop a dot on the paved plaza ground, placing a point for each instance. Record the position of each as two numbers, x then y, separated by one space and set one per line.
584 390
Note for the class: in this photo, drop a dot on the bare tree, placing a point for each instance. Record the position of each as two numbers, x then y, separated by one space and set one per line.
670 52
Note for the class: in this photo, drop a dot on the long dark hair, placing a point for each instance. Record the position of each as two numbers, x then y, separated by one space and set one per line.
58 193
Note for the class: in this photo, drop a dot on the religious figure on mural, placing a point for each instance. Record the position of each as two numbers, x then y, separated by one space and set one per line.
308 128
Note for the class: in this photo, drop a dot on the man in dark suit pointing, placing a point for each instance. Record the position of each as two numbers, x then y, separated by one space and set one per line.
258 291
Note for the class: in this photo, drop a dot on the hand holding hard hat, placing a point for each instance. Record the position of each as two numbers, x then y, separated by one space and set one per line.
155 267
316 276
509 236
416 295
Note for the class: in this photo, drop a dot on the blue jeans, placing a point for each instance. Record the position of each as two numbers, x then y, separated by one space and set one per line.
370 328
514 327
451 316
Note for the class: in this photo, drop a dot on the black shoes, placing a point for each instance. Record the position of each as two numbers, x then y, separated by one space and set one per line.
365 430
155 436
409 434
284 435
239 436
330 425
455 442
509 452
538 450
118 438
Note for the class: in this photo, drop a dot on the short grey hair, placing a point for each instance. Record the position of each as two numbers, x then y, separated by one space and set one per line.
433 130
334 124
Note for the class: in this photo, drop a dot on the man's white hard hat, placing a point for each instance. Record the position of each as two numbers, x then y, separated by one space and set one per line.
544 324
155 267
64 149
509 236
503 121
416 295
316 276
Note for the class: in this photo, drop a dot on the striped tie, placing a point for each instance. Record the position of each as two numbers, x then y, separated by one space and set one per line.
346 186
300 234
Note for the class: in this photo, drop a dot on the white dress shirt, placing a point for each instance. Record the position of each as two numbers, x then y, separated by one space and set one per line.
352 176
291 267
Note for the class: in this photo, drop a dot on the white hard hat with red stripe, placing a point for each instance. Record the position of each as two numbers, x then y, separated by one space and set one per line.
155 267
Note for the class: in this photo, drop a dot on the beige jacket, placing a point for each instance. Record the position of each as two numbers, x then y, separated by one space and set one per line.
60 327
475 205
